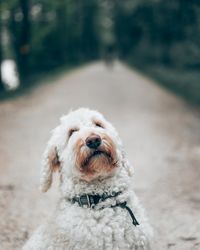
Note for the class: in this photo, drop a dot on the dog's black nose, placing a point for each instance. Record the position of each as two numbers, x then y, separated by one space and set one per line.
93 141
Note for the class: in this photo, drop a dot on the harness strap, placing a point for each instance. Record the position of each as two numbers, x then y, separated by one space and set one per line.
124 206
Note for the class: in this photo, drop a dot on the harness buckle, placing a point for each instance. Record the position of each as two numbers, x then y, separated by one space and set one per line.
88 200
85 200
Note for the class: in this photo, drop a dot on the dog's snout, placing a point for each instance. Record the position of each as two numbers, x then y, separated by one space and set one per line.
93 141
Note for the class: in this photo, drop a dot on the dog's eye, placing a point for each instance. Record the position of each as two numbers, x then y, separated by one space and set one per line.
98 124
72 130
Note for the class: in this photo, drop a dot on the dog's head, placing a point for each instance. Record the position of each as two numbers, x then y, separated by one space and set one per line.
84 146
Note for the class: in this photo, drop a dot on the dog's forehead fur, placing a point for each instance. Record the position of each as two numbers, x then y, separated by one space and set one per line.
82 116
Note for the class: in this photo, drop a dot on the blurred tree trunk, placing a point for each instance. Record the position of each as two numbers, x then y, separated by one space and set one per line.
20 31
1 58
61 13
1 82
24 45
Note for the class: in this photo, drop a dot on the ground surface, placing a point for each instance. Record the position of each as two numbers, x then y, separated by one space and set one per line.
160 132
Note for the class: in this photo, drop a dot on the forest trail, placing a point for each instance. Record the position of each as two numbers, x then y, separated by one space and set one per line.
161 134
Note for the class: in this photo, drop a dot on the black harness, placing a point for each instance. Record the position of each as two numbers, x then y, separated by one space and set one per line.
90 201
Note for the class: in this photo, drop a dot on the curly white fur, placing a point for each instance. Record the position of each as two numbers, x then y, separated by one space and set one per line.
76 228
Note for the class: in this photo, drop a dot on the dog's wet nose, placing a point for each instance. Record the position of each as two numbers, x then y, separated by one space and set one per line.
93 141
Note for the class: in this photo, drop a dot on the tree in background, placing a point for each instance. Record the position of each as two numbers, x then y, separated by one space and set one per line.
165 32
47 34
19 30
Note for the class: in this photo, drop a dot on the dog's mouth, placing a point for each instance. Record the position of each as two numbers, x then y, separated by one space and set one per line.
98 154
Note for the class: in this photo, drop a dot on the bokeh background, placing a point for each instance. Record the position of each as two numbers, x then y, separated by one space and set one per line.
161 38
137 62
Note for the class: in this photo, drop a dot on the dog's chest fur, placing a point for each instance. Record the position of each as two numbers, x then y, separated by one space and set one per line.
79 228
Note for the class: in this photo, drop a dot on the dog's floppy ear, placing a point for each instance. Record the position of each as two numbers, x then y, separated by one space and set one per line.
50 164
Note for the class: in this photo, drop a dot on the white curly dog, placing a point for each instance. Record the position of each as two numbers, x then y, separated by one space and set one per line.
98 209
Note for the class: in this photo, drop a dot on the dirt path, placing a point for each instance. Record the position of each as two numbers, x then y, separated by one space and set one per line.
160 132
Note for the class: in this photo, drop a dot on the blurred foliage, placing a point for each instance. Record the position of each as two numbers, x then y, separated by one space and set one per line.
160 37
166 32
46 34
